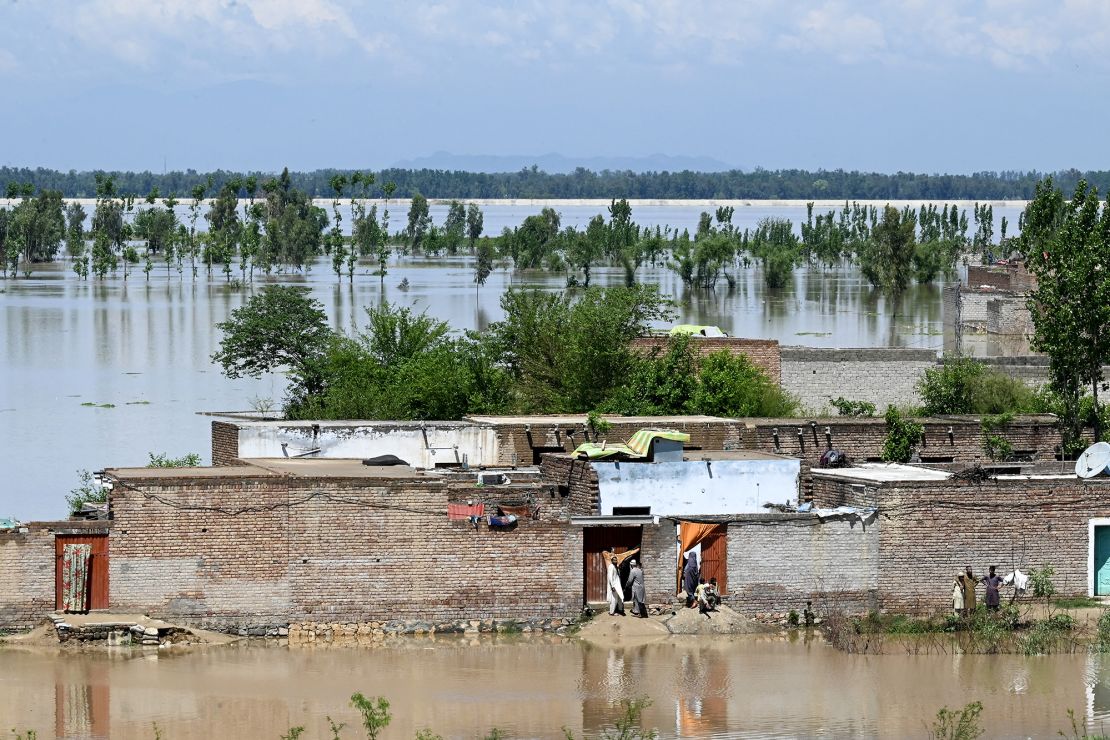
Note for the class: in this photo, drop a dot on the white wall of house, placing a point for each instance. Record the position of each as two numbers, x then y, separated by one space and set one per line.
698 488
421 448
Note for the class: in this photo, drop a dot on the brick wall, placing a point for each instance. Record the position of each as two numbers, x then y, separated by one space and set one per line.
763 353
225 443
576 479
862 439
659 553
776 562
880 376
349 550
26 576
1008 315
1010 277
931 530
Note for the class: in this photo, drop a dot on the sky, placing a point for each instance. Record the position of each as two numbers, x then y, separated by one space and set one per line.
928 86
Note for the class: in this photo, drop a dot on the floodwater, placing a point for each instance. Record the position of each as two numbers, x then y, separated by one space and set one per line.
100 373
742 687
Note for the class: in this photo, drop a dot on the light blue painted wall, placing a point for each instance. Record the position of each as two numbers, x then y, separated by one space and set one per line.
698 488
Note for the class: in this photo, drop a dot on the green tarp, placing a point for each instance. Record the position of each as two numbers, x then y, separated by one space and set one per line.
639 447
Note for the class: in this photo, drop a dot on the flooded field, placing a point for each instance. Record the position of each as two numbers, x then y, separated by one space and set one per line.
534 686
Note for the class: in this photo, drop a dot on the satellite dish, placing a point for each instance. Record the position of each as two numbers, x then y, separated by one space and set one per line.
1093 461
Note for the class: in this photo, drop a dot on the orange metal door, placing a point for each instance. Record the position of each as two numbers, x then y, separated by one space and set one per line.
98 568
596 542
714 554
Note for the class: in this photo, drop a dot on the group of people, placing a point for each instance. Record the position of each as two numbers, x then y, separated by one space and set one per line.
615 588
699 593
963 591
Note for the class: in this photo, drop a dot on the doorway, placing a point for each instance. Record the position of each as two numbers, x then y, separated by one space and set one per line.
597 541
96 593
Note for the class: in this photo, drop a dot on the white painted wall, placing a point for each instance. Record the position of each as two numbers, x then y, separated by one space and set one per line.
698 488
406 441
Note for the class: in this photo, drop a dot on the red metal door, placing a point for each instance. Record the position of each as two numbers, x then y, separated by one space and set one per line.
714 554
596 542
98 568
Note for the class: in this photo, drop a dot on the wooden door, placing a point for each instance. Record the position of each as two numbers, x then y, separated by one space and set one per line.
595 543
714 554
98 568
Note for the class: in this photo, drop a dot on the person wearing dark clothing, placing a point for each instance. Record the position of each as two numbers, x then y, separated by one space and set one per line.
635 584
690 578
992 582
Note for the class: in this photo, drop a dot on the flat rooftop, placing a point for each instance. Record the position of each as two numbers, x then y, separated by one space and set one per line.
648 422
223 471
348 423
306 467
702 456
883 473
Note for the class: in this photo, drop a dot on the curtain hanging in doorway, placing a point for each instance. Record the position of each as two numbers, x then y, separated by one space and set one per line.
75 577
690 535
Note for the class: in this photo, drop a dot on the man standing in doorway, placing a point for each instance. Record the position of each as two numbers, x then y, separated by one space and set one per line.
614 588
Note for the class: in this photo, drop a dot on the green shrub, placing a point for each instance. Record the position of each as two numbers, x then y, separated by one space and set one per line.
962 724
844 407
1040 582
962 385
902 436
1102 643
88 491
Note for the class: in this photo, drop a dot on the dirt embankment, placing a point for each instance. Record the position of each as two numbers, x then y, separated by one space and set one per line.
622 630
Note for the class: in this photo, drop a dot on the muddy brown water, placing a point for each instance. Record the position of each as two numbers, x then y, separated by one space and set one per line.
534 686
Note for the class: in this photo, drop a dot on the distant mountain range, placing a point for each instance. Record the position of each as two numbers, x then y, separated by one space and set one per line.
558 163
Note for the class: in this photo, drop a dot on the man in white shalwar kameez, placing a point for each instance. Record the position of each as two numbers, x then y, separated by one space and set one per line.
615 588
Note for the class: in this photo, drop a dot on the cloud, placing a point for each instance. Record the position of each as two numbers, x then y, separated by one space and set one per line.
298 39
138 32
835 30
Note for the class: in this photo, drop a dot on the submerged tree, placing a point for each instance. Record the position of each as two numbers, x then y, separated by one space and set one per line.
887 258
474 224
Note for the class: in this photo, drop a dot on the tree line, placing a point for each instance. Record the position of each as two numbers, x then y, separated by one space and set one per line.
582 183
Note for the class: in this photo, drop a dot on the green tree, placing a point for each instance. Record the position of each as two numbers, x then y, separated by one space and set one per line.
585 249
107 227
483 263
335 243
419 221
474 221
567 355
454 227
224 227
1067 248
75 237
281 327
887 260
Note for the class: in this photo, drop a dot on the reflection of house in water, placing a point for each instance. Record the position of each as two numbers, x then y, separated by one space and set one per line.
82 699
